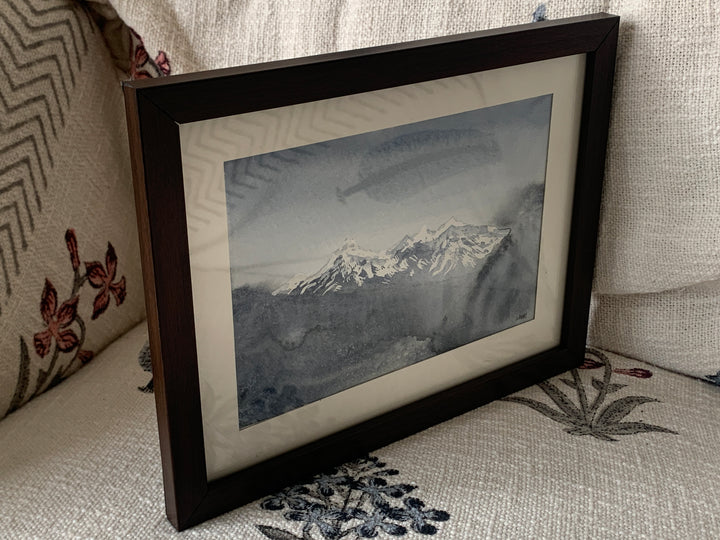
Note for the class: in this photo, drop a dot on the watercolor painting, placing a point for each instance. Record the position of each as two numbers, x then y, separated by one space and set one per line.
358 256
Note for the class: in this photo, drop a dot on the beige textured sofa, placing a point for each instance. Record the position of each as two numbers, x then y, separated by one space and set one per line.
625 447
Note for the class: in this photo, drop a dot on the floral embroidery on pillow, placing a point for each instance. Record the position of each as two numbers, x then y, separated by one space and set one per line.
102 278
141 66
65 330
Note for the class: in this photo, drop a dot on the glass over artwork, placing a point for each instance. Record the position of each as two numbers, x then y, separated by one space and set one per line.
358 256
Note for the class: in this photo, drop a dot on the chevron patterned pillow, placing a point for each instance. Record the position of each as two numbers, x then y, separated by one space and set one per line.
70 279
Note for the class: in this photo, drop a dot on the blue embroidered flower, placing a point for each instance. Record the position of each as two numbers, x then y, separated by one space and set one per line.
327 520
385 472
368 463
421 517
327 483
292 497
540 13
377 488
378 519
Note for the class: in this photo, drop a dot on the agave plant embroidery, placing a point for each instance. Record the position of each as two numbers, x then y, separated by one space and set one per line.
598 416
354 501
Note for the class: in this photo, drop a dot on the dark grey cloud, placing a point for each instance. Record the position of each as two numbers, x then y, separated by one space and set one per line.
412 162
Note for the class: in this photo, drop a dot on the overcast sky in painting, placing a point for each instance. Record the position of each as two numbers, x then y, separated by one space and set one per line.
288 211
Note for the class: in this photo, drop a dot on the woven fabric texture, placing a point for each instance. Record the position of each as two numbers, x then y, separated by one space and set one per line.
661 205
63 166
90 467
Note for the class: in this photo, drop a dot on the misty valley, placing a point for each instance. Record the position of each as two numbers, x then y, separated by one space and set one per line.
365 314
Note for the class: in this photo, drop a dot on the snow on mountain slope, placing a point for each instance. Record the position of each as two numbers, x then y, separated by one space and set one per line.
433 254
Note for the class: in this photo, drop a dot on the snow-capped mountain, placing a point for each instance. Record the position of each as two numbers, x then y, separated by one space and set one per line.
453 247
350 266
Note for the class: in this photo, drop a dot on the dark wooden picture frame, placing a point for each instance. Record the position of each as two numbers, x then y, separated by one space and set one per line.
155 110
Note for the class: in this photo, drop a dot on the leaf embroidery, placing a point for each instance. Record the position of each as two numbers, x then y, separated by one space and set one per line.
560 399
546 410
619 409
610 388
23 378
600 420
277 534
630 428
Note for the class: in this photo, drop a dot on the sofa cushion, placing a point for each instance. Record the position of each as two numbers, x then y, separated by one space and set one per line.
658 326
70 279
532 466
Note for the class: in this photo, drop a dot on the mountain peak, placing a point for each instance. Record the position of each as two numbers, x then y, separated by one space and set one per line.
430 254
423 232
351 249
452 222
426 235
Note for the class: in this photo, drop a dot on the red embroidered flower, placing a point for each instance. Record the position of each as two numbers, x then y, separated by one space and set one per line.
635 372
102 278
163 63
56 319
71 241
141 55
141 67
85 356
138 60
640 373
589 363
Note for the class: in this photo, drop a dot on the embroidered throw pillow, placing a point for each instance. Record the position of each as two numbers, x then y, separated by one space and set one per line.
70 279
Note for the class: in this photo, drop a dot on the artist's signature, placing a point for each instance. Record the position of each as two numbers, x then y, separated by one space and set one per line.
521 317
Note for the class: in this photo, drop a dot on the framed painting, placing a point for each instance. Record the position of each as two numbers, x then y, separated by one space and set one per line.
339 251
